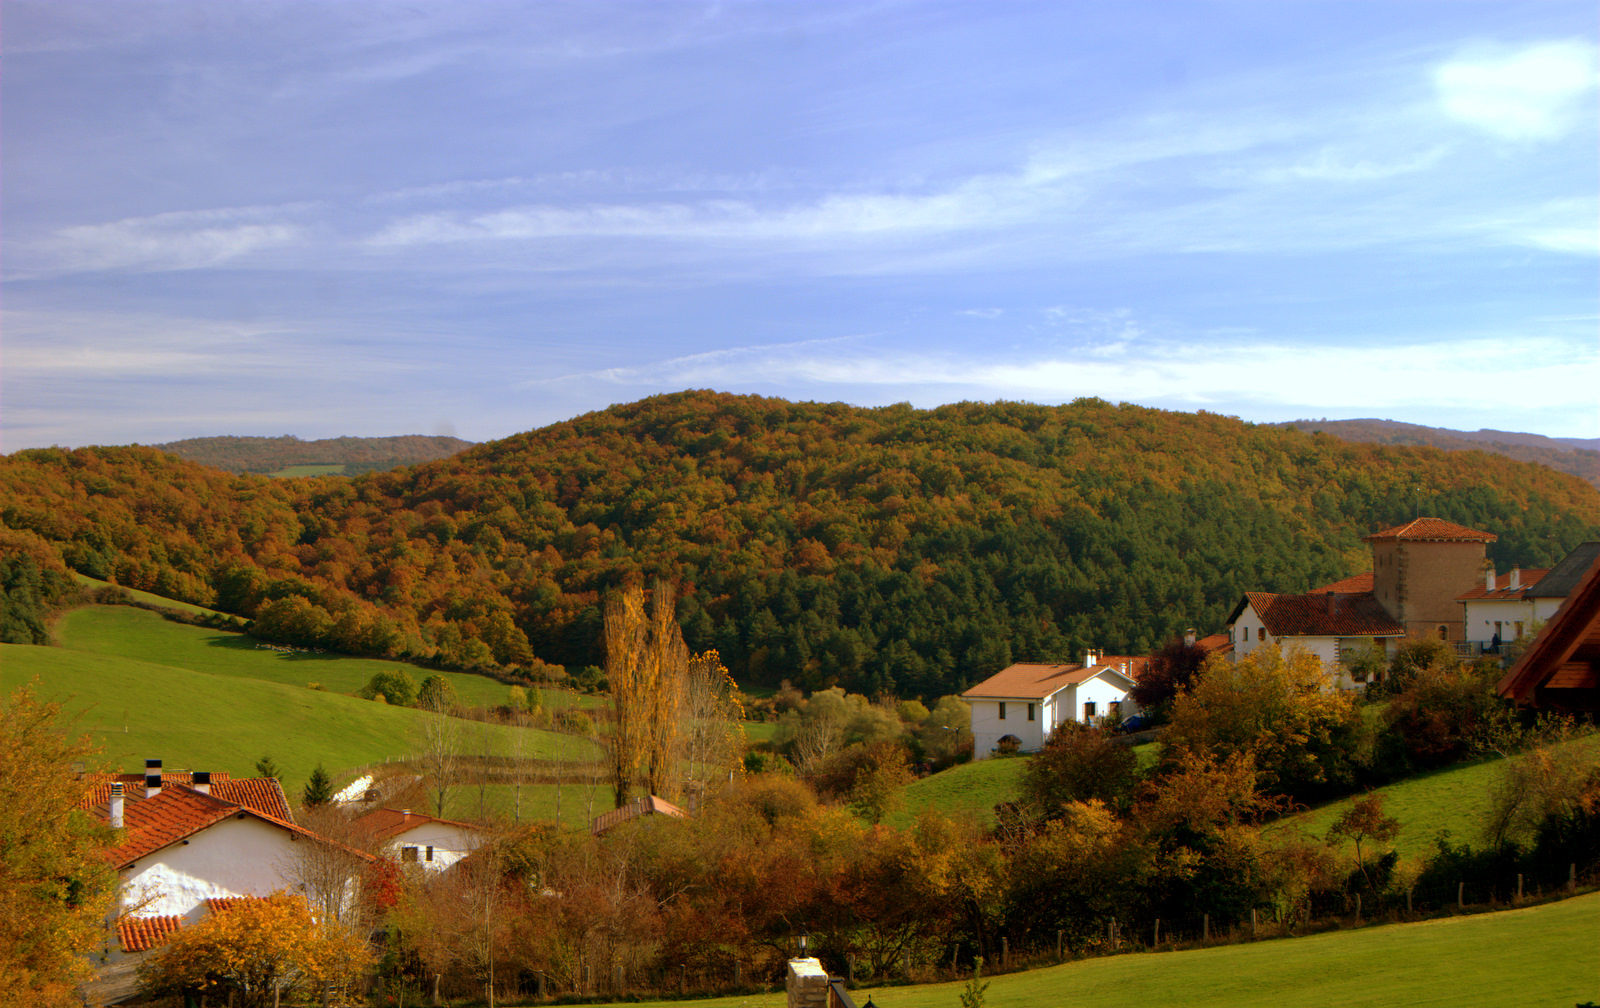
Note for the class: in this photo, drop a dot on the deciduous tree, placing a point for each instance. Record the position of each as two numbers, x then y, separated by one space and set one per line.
56 885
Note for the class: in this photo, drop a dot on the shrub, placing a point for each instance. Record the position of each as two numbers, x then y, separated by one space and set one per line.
394 685
1080 763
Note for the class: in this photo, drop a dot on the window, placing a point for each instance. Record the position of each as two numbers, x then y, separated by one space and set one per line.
1518 625
408 853
1444 632
1088 711
430 853
1002 710
1115 708
1261 633
1030 712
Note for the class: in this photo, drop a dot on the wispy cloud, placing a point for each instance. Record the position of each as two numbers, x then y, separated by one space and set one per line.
182 240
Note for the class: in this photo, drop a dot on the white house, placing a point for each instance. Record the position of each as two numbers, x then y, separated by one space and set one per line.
1334 623
1508 609
1024 702
191 843
414 838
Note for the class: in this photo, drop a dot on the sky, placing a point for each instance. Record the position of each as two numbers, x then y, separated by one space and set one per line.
479 218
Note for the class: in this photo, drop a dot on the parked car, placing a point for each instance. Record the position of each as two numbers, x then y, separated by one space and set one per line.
1136 723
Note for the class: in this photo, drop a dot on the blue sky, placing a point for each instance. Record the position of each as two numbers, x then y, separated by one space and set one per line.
479 218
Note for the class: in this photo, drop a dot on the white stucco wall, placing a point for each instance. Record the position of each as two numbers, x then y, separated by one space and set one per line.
988 728
1245 630
235 857
1481 615
450 844
1101 691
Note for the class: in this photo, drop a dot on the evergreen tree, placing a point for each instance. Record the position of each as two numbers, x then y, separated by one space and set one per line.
319 789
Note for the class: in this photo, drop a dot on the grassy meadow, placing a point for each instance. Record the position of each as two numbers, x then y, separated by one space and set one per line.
1543 955
199 698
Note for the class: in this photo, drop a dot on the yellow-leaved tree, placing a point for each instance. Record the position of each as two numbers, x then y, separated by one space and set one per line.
56 884
258 952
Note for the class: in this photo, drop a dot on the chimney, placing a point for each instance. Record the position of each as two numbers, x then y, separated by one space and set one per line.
152 778
1188 636
116 804
201 779
1516 578
1488 576
1090 658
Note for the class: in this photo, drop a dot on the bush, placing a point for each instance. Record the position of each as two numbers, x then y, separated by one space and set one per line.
1079 763
394 685
575 722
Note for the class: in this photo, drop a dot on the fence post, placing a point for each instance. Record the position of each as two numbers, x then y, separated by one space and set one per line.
1111 933
1205 928
1461 895
1252 922
1572 876
1059 934
1005 952
1408 902
1358 906
1519 887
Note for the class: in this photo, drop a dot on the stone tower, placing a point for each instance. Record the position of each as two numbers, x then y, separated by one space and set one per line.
1418 570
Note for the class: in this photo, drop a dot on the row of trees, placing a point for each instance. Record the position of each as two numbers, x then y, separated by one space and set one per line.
884 551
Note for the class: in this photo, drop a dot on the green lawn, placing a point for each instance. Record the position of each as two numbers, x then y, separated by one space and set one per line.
1455 799
967 790
1543 955
195 719
126 632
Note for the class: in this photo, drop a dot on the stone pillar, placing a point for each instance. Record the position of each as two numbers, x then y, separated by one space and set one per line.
807 984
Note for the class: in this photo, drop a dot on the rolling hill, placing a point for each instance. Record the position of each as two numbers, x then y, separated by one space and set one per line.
885 550
290 456
1578 456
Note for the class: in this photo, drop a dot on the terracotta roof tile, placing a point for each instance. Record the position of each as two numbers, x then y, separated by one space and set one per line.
1351 585
1213 643
172 815
1530 577
264 794
222 904
1432 530
141 934
381 824
1037 680
1324 614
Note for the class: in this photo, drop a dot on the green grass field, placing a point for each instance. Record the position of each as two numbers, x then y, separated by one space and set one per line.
1537 956
204 699
1454 800
967 790
310 469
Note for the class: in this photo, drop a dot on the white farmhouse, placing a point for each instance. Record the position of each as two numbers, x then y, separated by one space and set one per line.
192 843
1022 703
1335 623
413 838
1500 611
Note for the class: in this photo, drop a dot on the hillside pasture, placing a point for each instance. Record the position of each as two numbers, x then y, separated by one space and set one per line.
965 791
147 598
1453 800
194 719
1543 955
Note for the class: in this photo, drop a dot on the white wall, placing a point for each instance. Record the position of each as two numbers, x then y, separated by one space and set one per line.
1481 615
450 844
1101 691
1245 629
235 857
988 728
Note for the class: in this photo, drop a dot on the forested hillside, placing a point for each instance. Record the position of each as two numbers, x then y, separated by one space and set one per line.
1578 456
356 454
881 549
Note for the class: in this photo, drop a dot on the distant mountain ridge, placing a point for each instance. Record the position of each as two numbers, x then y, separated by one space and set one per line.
355 454
1579 457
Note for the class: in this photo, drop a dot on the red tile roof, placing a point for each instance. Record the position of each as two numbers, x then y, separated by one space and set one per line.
1037 680
178 813
264 794
141 934
1503 591
381 824
1351 585
633 810
1212 643
1322 614
1432 530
